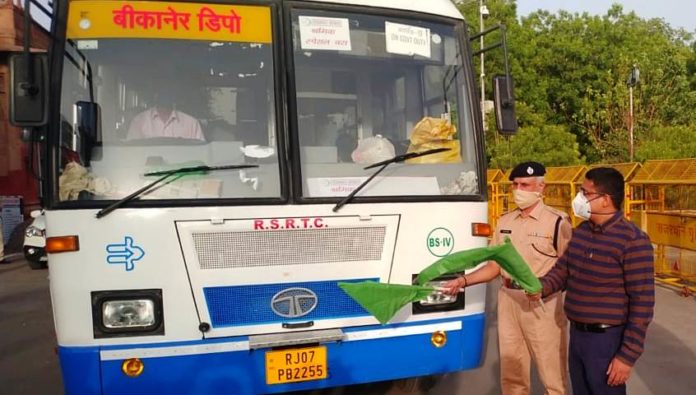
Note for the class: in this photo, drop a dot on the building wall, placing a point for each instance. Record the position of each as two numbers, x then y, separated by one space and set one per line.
15 176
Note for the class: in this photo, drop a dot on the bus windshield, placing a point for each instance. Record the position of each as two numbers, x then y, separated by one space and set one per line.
169 101
371 87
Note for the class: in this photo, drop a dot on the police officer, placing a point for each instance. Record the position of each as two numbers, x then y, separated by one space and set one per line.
527 330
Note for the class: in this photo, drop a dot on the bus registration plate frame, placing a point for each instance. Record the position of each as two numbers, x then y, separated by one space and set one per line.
296 364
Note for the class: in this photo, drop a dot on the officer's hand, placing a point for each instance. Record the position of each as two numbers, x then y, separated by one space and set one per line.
534 297
452 287
618 372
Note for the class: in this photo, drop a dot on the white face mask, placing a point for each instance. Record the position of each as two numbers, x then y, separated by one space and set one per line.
581 206
524 199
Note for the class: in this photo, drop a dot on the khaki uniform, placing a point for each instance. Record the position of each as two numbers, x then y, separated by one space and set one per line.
525 330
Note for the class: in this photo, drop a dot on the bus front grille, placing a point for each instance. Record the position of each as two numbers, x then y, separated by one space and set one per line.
239 249
243 305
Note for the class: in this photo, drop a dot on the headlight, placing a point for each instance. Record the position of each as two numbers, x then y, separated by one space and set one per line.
437 298
33 231
128 313
438 302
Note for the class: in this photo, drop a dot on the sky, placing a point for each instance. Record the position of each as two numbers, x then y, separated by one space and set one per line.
678 13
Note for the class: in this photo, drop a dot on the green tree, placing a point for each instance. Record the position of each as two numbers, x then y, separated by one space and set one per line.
552 145
501 12
671 142
691 66
570 74
575 70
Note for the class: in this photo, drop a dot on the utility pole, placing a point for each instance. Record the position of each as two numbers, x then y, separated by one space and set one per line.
630 122
631 82
482 78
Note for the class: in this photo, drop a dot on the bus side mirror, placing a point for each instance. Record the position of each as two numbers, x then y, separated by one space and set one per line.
28 90
504 103
88 128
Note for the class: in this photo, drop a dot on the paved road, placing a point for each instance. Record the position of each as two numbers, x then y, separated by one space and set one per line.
28 364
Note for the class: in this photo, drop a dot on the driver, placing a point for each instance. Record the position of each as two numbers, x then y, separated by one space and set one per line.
164 120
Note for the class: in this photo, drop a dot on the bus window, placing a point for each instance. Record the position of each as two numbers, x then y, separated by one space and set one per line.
179 111
365 98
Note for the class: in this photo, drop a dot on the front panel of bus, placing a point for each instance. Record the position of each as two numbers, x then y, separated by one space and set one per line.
224 279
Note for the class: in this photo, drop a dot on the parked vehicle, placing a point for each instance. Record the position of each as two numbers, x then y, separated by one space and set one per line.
35 241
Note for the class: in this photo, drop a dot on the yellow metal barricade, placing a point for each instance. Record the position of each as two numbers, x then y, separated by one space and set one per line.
561 187
496 199
663 202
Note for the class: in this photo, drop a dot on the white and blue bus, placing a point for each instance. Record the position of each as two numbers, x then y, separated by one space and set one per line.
205 189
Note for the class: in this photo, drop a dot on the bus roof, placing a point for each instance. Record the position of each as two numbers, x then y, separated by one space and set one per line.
435 7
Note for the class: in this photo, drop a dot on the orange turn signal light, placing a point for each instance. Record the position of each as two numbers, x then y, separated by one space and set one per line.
481 229
62 244
132 367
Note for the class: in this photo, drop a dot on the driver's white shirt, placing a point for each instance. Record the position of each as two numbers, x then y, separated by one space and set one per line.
148 124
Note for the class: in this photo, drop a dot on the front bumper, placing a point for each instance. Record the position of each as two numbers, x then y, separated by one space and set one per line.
367 354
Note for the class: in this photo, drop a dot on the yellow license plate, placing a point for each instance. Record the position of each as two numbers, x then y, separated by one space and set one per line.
296 364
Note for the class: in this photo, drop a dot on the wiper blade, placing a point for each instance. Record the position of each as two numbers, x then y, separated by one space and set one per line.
194 169
384 164
164 175
410 155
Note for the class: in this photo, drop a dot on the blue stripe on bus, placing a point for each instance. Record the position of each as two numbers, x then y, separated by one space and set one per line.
251 304
81 370
243 372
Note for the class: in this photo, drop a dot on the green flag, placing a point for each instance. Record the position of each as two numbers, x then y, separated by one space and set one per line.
458 262
512 262
385 300
504 254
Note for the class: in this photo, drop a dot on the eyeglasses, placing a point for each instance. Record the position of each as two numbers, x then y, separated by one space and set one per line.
588 194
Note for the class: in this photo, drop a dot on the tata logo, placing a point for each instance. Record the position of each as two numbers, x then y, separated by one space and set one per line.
294 302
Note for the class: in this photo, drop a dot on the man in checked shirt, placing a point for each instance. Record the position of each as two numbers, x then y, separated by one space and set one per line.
608 274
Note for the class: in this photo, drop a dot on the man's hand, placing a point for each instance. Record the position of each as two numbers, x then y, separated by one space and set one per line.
534 297
452 287
618 372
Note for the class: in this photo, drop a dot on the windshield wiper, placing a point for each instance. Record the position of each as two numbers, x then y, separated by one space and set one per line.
384 164
164 175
